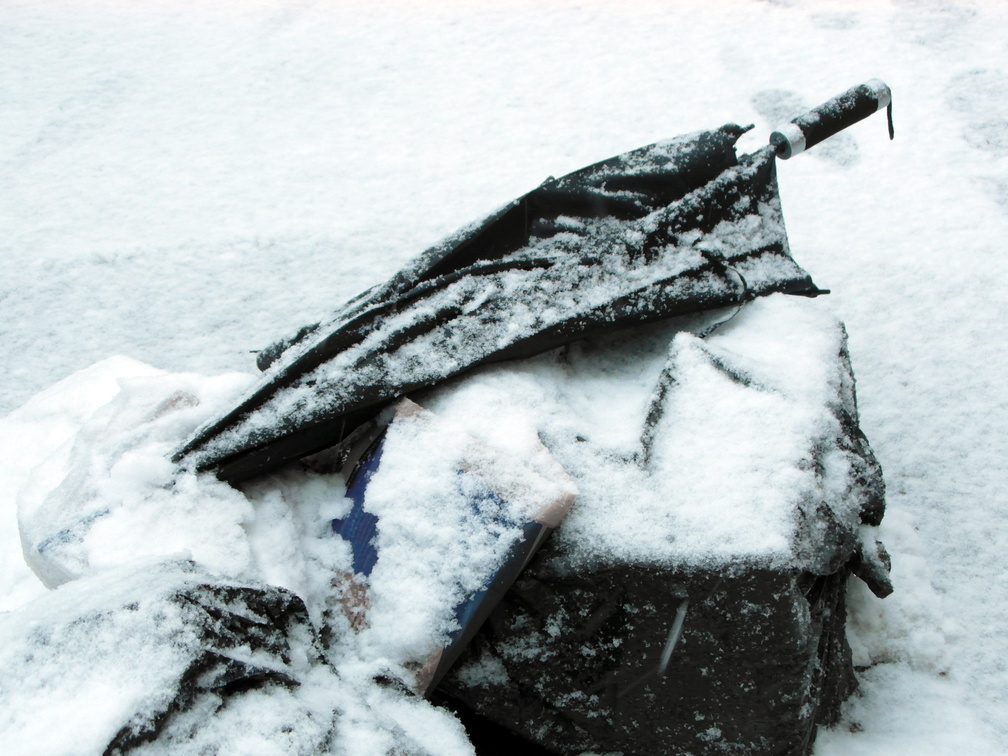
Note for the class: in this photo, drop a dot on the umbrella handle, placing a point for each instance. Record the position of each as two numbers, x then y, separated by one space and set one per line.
833 116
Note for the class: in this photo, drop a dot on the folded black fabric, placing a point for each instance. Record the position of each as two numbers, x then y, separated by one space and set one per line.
676 227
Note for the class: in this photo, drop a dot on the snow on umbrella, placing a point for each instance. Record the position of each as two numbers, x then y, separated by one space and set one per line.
676 227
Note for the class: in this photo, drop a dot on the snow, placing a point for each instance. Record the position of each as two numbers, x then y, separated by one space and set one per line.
108 523
183 183
732 460
114 493
106 652
449 510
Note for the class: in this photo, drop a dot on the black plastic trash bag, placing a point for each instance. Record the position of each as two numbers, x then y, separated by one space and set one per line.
676 227
162 658
665 616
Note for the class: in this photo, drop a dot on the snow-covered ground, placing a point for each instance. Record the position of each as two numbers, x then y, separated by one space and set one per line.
182 182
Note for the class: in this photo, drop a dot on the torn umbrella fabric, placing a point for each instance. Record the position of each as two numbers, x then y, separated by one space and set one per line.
676 227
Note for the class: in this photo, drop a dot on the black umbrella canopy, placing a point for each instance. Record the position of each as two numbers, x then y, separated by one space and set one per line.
680 226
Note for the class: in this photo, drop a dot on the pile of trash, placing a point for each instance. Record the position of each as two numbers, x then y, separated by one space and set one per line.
616 512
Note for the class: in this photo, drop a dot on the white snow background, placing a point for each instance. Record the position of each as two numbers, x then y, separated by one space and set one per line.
183 182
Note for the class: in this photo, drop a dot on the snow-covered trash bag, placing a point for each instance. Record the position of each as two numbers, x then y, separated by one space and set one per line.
110 493
693 599
163 658
679 226
439 527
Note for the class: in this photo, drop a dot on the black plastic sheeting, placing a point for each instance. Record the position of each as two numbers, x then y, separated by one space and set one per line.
762 660
732 657
676 227
228 621
170 659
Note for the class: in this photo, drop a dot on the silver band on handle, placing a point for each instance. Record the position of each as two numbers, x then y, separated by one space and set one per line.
788 141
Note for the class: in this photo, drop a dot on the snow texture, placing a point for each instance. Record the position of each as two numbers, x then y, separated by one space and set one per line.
114 494
745 441
744 448
183 183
